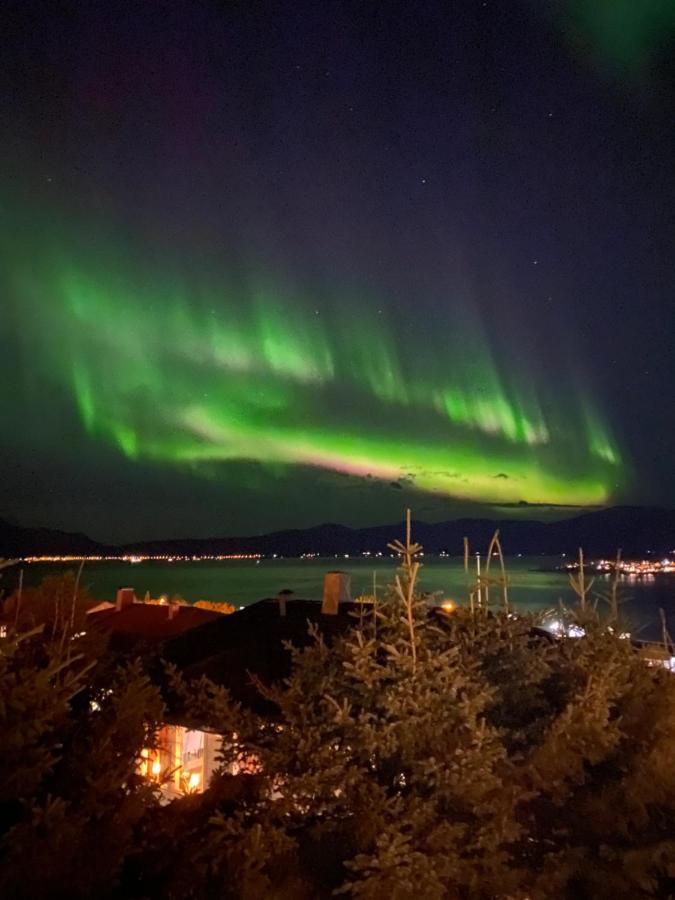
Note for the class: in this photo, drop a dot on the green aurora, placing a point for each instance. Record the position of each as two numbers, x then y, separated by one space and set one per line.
627 33
200 374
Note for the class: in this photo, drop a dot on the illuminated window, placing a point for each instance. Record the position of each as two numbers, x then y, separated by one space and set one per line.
193 746
194 781
191 782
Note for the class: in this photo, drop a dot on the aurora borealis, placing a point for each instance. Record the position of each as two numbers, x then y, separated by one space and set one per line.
248 298
195 374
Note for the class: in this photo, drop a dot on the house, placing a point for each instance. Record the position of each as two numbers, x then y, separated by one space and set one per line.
253 641
237 651
230 650
130 621
184 758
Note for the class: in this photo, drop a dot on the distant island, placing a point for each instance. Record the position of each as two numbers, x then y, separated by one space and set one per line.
636 530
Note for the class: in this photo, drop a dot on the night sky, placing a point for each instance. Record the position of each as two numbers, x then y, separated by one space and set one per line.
269 265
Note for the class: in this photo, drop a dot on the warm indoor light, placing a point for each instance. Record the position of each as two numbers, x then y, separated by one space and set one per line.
194 780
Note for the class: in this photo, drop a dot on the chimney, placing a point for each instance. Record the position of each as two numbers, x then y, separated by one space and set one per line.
335 591
125 597
282 597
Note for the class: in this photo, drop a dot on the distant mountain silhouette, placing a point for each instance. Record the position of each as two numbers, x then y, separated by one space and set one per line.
634 529
18 541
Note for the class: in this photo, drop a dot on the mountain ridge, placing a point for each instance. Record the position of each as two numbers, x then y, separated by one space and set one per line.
634 529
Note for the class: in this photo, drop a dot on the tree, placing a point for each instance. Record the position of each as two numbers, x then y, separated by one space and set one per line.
435 756
73 726
58 602
224 608
424 754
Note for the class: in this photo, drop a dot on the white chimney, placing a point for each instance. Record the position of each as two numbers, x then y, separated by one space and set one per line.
173 610
336 590
125 597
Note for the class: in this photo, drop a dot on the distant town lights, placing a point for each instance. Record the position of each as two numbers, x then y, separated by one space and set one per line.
137 559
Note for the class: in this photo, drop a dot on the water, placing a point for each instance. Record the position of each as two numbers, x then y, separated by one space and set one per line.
241 582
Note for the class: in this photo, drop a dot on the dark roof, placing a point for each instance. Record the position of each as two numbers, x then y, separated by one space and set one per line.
251 640
150 621
231 649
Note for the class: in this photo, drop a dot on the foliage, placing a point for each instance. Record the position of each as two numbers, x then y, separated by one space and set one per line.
424 754
177 600
433 756
57 602
72 727
224 608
